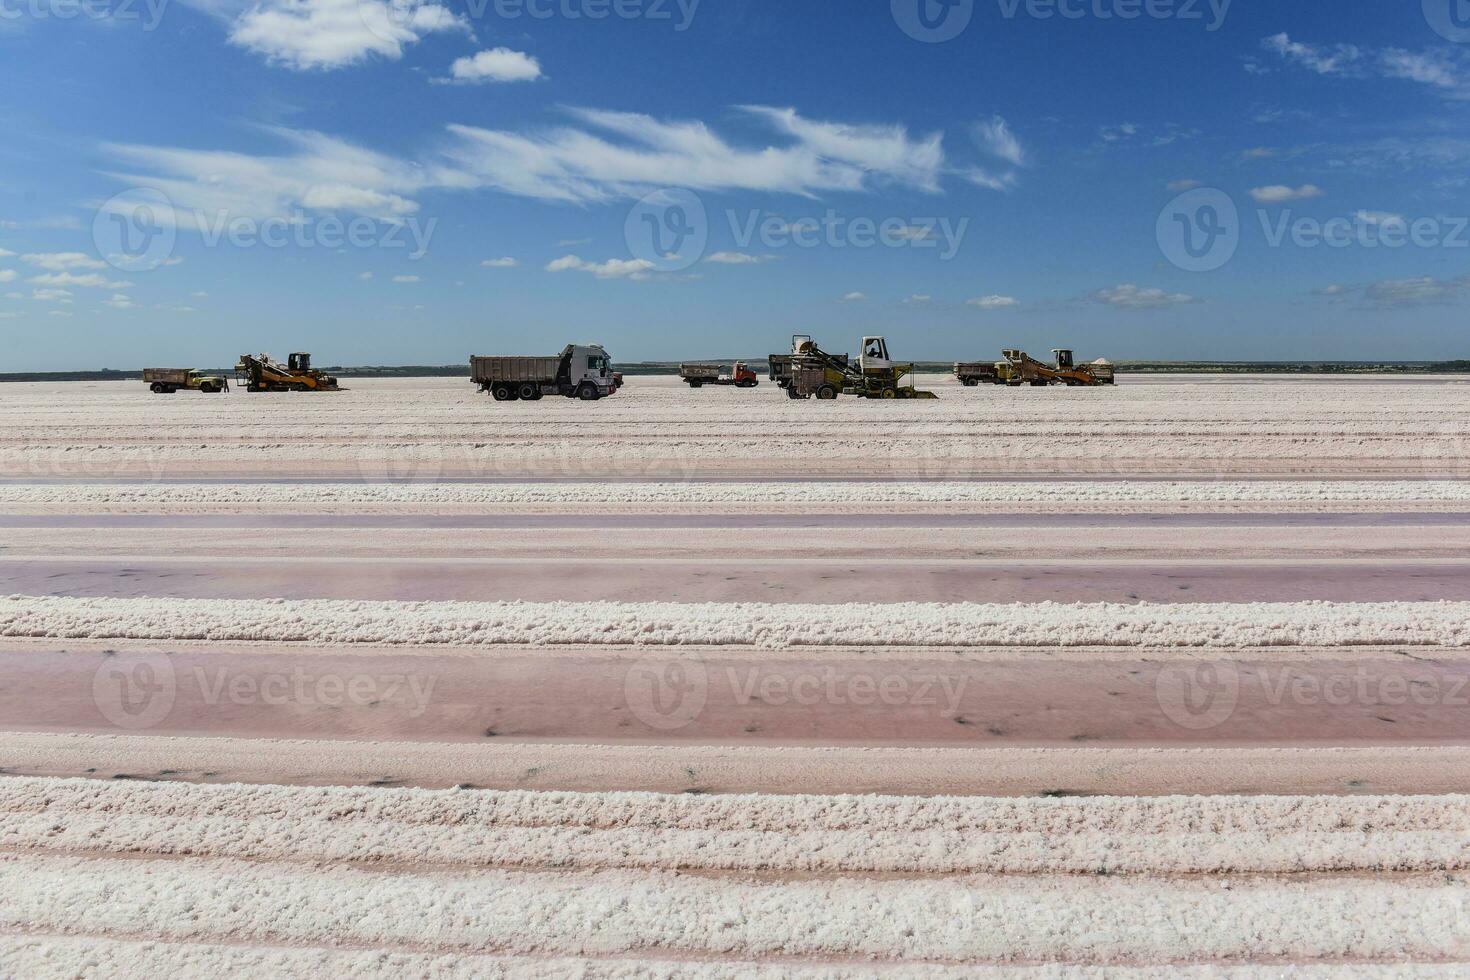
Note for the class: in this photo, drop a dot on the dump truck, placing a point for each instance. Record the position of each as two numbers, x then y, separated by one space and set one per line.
261 372
817 374
972 373
739 375
582 371
1023 369
166 381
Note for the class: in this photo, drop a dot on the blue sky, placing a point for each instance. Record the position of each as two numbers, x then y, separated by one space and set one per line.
417 181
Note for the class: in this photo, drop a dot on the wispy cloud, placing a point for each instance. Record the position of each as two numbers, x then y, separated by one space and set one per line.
1281 194
1445 70
1130 297
994 302
635 269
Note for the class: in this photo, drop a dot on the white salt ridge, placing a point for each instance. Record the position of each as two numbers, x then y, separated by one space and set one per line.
766 834
170 495
767 625
985 919
58 956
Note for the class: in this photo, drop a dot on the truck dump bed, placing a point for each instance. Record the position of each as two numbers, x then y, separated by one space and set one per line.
169 376
514 370
706 372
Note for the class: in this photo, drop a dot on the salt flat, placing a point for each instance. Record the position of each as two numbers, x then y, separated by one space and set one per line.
1253 589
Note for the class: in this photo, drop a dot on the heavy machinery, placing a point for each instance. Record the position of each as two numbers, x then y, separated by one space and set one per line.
261 372
579 371
972 373
817 374
781 364
698 375
166 381
1023 369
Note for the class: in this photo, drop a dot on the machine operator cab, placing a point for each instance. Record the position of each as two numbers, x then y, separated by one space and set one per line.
299 362
801 343
875 355
1064 359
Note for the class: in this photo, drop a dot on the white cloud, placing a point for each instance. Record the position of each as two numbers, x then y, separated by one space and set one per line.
407 279
505 263
319 172
51 295
61 261
1130 297
918 299
6 255
994 302
602 157
1281 194
1448 71
364 276
1323 60
854 298
1258 153
573 242
1382 218
7 275
324 34
120 301
738 258
58 312
360 200
9 316
495 65
182 309
199 294
1178 186
1403 293
622 154
995 137
1434 68
87 280
635 269
1116 134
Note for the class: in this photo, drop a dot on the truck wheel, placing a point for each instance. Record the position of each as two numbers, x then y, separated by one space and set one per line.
889 393
587 391
826 393
502 393
791 393
529 392
207 389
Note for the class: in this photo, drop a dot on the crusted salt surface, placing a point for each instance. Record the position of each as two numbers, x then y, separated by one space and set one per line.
948 920
767 834
769 625
169 495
